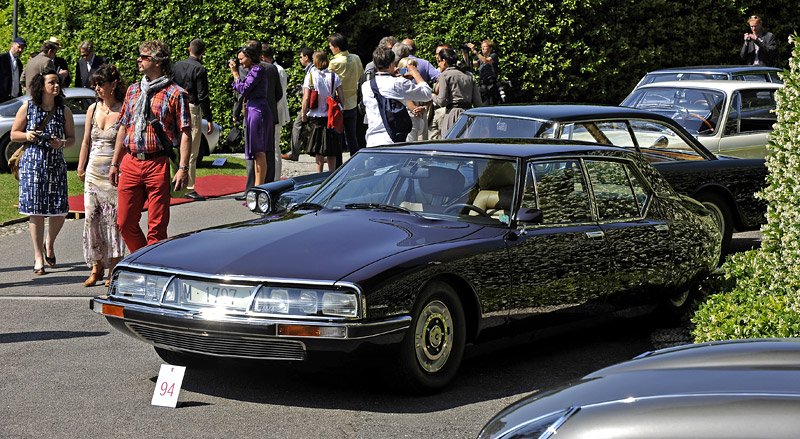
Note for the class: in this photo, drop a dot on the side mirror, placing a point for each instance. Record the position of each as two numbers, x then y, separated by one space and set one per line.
530 216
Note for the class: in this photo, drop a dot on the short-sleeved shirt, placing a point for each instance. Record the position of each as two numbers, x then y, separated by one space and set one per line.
348 67
322 83
170 105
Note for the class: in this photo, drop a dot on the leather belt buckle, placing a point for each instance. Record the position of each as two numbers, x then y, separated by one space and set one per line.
140 156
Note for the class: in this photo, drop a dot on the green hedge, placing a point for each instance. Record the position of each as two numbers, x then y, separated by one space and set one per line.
568 51
764 300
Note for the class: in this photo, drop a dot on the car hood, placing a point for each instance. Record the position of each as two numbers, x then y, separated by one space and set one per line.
323 245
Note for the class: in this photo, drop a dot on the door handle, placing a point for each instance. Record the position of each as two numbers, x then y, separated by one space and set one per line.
595 234
661 227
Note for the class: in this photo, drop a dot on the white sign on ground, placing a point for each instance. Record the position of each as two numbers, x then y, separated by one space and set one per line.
168 385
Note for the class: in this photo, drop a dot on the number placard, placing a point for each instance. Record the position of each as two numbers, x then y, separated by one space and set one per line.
168 385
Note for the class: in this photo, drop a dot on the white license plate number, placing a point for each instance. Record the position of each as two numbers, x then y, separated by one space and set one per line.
206 293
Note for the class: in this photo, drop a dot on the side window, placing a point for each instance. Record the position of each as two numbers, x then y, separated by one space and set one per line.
732 124
559 190
757 111
773 76
658 136
604 133
77 105
613 192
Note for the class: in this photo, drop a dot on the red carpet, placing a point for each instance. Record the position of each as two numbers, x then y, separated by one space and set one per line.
210 186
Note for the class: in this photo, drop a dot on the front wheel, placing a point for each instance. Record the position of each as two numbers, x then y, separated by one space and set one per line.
431 351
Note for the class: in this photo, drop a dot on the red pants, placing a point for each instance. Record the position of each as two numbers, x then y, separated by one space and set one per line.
140 182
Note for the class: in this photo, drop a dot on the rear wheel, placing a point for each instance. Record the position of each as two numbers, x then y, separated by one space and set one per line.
721 212
431 351
181 359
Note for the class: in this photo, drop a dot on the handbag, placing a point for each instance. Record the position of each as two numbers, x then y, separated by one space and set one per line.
335 114
13 161
313 97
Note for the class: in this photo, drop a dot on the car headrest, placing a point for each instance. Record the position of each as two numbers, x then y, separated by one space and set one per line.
442 181
497 174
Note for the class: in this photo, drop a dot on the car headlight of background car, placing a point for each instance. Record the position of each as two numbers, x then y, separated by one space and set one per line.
259 201
253 299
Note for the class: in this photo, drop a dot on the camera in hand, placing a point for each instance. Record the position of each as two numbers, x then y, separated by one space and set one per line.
465 47
235 62
44 137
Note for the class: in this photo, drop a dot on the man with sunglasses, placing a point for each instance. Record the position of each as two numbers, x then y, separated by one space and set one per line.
154 118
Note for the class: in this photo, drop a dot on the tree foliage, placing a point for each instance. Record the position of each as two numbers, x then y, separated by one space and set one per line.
765 298
568 51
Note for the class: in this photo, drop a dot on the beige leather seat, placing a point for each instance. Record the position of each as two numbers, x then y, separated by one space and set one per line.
495 189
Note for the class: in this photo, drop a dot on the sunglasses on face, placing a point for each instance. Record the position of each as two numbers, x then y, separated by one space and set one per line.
144 57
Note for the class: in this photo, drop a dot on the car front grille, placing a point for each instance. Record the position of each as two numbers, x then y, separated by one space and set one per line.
218 344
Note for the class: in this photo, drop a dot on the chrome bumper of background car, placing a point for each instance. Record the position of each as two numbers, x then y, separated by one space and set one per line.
249 337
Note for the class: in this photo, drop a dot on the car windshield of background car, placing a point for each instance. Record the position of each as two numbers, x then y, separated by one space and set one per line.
497 127
697 110
439 187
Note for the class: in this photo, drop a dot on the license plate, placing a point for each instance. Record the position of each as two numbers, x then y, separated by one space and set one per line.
214 294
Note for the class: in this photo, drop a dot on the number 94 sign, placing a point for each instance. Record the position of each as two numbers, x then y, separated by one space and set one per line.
168 385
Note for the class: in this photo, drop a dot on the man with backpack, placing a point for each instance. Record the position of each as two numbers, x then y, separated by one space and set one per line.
384 96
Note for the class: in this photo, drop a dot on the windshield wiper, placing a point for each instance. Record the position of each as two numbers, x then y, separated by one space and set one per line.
381 206
307 206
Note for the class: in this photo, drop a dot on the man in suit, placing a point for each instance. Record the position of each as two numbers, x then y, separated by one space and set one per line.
10 70
42 62
268 56
274 94
759 45
87 63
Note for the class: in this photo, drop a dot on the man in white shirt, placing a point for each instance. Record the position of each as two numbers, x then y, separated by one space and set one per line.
390 87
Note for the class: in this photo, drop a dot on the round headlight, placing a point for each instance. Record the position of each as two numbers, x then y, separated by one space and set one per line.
250 198
264 202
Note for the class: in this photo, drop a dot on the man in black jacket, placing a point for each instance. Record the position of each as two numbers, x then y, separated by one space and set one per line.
11 70
759 45
87 63
193 77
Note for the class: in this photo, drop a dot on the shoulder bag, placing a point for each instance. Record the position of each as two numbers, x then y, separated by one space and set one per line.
393 113
313 96
335 115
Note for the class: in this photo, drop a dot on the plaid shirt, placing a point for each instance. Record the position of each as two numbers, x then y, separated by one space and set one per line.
170 105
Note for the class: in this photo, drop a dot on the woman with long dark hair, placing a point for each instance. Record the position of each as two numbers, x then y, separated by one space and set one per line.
102 243
258 116
45 124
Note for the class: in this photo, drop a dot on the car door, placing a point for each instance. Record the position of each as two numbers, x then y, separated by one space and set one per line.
751 114
78 105
558 266
639 244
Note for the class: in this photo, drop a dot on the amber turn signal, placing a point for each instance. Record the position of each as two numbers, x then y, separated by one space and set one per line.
113 310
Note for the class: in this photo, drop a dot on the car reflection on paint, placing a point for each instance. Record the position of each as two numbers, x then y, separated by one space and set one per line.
733 389
424 247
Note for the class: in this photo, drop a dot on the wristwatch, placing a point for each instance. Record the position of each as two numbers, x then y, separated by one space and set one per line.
115 165
183 168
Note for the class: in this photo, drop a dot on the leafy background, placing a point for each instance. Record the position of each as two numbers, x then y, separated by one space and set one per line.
590 51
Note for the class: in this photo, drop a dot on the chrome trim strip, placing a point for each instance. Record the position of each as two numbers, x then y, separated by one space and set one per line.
552 429
404 322
632 399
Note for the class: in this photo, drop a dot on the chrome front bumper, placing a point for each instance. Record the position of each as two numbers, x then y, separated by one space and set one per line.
236 336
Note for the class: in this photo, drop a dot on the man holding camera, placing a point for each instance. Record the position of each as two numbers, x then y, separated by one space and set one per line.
488 71
759 45
154 118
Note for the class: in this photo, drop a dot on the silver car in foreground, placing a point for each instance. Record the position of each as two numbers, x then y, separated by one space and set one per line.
78 100
732 389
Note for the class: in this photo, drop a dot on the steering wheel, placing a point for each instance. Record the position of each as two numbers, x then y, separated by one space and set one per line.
471 207
703 119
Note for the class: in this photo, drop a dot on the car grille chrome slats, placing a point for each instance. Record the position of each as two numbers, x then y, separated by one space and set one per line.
220 344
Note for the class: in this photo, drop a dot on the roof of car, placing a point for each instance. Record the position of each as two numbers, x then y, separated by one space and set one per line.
722 85
565 112
518 148
715 69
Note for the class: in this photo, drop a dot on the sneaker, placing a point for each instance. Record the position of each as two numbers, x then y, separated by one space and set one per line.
195 196
288 157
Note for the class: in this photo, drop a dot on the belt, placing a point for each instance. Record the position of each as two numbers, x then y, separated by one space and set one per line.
148 155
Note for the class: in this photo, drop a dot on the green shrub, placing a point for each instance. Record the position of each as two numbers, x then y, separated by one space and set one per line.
765 298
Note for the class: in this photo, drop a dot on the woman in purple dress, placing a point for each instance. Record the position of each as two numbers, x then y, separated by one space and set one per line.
258 117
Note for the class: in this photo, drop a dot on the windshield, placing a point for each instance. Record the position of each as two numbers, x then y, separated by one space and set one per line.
498 127
697 110
465 188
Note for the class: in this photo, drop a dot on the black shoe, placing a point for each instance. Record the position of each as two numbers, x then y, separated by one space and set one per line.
239 198
195 196
289 157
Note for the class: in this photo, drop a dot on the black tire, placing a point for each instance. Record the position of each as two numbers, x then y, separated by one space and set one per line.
673 311
180 359
439 325
721 211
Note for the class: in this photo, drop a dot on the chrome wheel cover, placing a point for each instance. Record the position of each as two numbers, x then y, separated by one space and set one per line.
433 336
678 300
